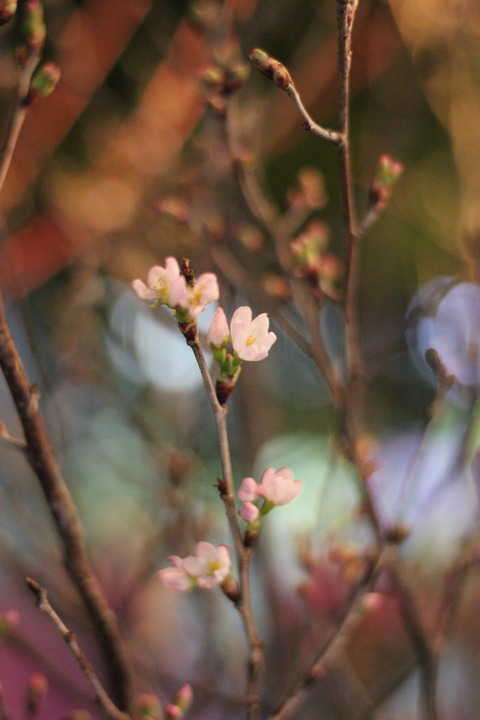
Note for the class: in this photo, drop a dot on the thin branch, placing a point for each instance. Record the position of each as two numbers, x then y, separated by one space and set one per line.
345 624
42 460
10 440
427 659
101 695
19 115
308 122
243 554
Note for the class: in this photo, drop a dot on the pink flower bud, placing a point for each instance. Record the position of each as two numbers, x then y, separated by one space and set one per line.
249 512
218 332
146 707
247 491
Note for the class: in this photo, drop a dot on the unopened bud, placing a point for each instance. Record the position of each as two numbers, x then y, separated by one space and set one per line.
146 706
386 175
7 10
44 82
180 704
35 691
32 31
271 68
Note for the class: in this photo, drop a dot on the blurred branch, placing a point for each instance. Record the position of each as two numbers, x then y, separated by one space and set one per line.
100 694
42 460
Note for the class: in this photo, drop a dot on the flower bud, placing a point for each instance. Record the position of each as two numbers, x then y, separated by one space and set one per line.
146 706
44 82
35 691
7 10
271 68
32 31
386 175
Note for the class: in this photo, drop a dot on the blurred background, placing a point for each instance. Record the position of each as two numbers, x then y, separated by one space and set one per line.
162 140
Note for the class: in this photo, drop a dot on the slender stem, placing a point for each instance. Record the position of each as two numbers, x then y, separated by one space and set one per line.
64 514
345 624
308 122
243 553
101 695
19 115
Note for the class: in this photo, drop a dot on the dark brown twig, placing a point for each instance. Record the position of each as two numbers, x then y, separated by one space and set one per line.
100 694
42 460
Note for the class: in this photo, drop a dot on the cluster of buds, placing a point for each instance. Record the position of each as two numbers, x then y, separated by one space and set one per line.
32 31
209 567
277 487
322 269
220 81
245 339
186 297
271 68
386 175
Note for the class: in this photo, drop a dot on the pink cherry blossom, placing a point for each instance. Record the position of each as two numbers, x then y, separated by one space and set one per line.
218 332
278 486
165 285
204 291
250 338
176 578
210 565
249 512
247 491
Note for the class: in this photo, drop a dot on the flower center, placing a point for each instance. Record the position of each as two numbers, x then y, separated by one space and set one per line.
161 287
251 340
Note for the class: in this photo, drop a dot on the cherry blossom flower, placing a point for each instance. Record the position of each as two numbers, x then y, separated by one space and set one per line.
176 577
218 333
278 486
165 285
203 292
210 566
251 339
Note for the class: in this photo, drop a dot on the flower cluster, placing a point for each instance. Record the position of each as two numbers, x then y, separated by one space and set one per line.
168 286
322 269
277 487
250 339
209 567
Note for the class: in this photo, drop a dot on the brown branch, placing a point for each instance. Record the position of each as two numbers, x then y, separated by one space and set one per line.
243 554
100 694
42 460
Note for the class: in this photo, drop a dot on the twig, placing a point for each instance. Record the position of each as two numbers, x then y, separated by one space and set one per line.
427 659
64 513
101 695
344 625
19 114
243 554
308 123
10 440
